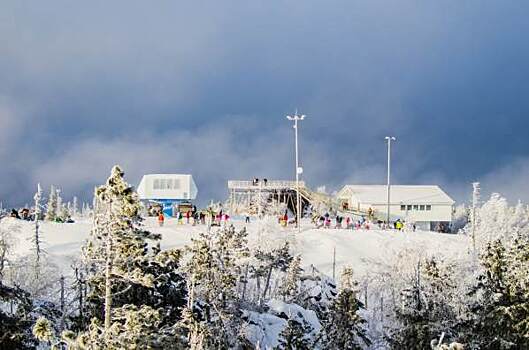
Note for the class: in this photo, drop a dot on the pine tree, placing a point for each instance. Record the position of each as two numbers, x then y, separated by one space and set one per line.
52 207
290 288
75 207
295 336
212 317
343 327
502 307
15 319
36 238
118 249
276 259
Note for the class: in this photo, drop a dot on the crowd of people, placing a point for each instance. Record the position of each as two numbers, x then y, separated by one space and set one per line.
328 221
196 217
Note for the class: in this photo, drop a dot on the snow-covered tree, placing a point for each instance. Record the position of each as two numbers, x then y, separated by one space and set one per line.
52 207
15 318
212 316
295 336
344 328
36 238
117 247
290 288
501 308
75 207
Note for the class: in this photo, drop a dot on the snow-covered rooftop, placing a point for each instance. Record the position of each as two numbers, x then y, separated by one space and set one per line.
400 194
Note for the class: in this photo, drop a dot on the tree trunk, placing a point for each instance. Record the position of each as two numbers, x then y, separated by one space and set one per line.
267 282
108 285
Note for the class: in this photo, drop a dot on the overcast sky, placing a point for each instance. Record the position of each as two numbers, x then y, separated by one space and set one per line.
204 87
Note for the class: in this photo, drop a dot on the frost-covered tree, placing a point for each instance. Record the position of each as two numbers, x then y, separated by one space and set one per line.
267 261
295 336
75 207
212 316
429 306
36 238
117 248
15 318
502 305
52 206
343 327
290 288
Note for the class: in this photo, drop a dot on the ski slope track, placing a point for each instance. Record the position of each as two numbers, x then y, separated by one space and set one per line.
363 250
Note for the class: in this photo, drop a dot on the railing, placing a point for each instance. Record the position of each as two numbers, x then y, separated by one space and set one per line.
272 185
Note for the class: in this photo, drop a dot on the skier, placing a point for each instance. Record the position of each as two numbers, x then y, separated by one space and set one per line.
161 218
348 222
188 215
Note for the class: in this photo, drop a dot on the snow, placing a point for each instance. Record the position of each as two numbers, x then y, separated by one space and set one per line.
363 250
264 328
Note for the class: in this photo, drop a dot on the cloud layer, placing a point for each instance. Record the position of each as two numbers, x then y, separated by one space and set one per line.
204 88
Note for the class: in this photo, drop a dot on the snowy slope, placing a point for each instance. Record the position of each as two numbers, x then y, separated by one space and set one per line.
361 249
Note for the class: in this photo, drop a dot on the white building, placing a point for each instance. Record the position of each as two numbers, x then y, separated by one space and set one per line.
167 189
426 206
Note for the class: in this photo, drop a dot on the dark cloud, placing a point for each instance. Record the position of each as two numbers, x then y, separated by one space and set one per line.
205 87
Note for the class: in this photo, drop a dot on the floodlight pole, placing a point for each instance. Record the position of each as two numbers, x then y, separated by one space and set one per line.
297 118
389 139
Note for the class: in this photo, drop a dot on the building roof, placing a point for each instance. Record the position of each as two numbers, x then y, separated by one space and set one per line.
400 194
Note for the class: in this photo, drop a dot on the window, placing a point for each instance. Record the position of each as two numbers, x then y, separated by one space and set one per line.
169 184
185 195
409 206
428 207
402 207
176 184
421 207
163 184
156 184
415 207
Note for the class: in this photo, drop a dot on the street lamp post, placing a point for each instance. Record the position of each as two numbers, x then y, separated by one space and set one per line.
299 170
389 139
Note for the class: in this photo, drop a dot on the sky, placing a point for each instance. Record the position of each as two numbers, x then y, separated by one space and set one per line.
204 87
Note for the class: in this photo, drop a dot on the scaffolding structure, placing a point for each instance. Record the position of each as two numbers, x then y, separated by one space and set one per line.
263 197
274 197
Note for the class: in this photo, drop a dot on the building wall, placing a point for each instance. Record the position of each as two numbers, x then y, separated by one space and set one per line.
438 212
167 186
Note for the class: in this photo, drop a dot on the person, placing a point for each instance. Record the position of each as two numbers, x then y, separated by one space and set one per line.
338 222
14 214
265 181
180 218
161 218
188 214
398 225
348 222
370 213
247 219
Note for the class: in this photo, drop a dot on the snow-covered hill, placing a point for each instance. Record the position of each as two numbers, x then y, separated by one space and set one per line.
364 250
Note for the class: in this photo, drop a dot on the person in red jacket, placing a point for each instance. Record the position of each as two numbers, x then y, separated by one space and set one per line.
161 218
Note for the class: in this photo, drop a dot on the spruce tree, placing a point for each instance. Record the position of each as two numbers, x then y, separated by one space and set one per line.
51 210
343 327
290 287
117 250
295 336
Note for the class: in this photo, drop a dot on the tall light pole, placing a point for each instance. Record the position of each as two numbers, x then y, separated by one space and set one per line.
389 139
299 170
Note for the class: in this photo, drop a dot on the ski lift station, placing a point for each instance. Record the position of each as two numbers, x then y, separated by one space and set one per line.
426 206
168 190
